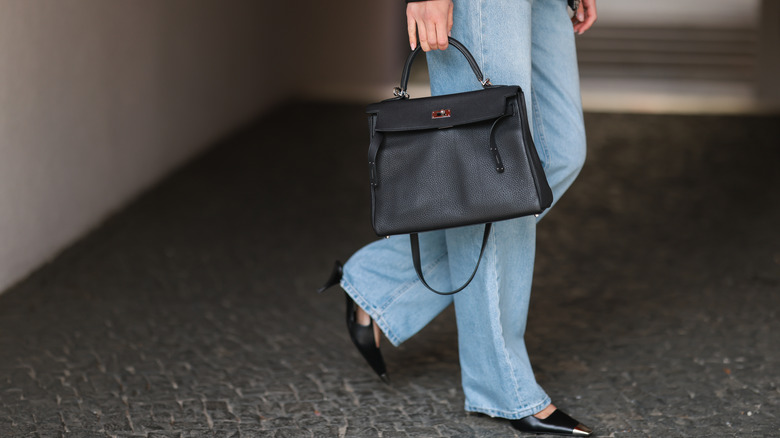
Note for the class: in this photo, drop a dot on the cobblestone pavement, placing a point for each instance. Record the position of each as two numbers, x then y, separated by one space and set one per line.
192 313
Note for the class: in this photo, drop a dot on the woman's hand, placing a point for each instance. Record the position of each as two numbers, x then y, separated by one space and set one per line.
585 16
432 20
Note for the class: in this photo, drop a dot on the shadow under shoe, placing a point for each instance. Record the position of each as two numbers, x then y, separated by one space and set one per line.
362 335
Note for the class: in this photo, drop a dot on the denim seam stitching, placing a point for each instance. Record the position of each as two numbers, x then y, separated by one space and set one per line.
482 39
410 284
540 134
406 287
500 327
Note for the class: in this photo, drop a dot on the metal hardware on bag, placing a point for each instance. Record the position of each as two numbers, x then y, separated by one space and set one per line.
398 92
372 173
414 169
440 114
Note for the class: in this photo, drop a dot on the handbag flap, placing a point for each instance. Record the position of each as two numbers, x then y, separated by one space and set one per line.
442 111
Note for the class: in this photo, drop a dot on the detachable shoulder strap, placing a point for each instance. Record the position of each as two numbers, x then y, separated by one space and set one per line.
415 241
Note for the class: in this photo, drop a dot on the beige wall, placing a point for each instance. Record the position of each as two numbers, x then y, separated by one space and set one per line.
99 99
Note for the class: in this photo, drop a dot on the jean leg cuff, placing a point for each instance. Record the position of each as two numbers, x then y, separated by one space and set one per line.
379 320
513 414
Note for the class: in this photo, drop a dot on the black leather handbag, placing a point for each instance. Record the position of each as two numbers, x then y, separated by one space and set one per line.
452 160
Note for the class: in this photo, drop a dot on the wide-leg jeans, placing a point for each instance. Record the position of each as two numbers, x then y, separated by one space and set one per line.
516 42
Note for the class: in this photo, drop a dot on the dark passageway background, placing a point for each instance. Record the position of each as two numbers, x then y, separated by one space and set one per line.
176 202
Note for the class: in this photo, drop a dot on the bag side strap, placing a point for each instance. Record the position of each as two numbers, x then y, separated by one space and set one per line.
373 150
415 241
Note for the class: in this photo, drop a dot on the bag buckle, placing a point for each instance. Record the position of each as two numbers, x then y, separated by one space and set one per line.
398 92
372 173
486 83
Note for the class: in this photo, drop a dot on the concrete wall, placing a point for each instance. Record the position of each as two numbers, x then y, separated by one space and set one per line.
351 49
99 99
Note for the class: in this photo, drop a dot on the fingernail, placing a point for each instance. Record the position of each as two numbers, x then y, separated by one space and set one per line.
581 16
414 46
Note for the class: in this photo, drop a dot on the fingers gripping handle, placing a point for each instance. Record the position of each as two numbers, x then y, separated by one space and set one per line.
461 48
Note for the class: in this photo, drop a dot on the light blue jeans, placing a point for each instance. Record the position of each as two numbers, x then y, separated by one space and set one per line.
516 42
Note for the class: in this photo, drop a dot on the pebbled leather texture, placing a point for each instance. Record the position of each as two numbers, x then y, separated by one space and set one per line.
452 160
426 178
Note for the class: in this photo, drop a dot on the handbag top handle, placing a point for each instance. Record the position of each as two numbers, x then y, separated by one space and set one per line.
401 92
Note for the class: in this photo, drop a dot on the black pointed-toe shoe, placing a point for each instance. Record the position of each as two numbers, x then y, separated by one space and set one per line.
557 423
362 335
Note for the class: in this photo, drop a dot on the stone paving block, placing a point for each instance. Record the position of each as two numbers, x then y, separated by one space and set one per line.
279 422
326 432
171 434
394 434
147 420
249 414
312 422
290 433
80 419
422 431
230 431
197 432
220 410
85 433
13 429
299 408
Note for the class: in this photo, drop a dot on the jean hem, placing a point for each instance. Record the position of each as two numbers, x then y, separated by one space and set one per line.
378 319
511 415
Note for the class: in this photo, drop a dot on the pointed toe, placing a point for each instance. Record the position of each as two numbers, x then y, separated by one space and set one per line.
558 423
363 338
582 430
362 335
